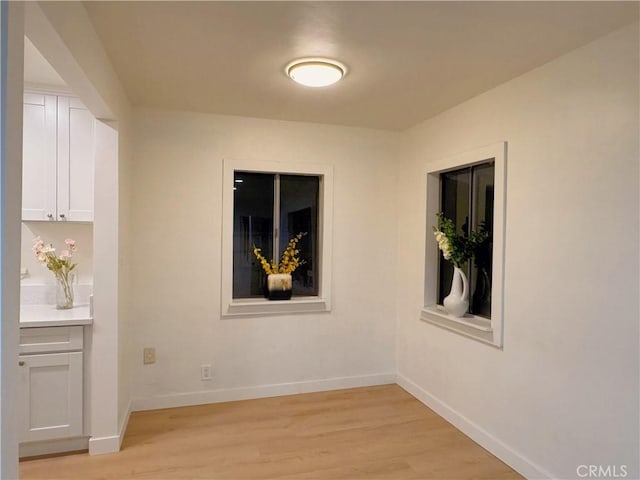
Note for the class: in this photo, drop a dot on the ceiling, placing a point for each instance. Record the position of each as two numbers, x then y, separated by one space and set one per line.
407 60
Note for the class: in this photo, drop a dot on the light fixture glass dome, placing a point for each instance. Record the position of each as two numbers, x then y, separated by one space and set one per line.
316 72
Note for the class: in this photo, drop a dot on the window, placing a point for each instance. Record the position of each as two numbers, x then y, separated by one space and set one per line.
469 190
467 199
268 210
265 204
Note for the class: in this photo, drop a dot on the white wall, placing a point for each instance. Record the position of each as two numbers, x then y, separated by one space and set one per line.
564 390
126 350
176 237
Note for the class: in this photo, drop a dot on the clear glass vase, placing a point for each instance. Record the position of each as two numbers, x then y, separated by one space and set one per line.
64 292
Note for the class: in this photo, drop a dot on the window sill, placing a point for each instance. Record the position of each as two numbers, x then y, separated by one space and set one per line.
259 306
478 328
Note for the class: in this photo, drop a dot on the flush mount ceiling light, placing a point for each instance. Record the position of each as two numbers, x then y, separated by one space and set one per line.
316 72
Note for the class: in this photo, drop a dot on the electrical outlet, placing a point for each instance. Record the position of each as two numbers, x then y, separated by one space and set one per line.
205 372
149 356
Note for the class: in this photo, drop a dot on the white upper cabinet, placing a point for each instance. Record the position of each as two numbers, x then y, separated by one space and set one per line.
39 157
58 159
76 141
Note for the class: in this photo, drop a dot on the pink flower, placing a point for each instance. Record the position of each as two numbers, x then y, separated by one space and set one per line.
38 244
71 243
60 265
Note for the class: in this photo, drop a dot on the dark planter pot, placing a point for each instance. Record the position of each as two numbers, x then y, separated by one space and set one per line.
278 286
278 295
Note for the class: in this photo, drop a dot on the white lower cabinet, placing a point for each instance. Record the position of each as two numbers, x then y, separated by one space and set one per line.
51 390
50 384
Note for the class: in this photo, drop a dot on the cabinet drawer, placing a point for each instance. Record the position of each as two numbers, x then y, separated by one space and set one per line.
50 339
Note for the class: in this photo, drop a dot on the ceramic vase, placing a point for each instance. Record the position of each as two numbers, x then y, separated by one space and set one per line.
457 302
279 286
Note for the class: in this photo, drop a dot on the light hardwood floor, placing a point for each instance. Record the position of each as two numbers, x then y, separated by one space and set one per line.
362 433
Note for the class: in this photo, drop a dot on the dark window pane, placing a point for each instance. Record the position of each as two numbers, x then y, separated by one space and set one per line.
299 213
456 189
455 197
252 225
481 273
467 199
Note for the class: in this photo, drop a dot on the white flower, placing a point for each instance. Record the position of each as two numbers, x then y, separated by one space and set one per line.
443 244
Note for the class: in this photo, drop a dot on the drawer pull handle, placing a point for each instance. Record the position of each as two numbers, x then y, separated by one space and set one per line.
21 363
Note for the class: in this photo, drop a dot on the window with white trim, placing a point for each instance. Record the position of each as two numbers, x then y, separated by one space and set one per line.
265 204
470 190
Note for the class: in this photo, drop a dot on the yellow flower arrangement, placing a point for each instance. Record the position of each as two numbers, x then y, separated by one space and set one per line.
289 260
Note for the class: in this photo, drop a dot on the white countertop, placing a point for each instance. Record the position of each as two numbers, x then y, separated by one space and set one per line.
49 316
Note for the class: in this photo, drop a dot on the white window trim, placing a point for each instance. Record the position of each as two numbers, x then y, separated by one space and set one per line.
478 328
231 307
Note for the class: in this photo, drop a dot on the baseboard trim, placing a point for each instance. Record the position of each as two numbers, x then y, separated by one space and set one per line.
112 443
262 391
52 447
515 460
103 445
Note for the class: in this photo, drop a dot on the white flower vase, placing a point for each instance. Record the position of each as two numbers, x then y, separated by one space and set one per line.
457 302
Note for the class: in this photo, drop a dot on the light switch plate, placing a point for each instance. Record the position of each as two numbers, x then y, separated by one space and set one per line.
149 356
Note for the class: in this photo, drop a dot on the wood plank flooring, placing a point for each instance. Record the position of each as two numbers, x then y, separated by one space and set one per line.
363 433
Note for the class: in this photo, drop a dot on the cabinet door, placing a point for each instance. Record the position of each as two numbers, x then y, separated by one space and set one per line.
39 157
50 392
76 144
